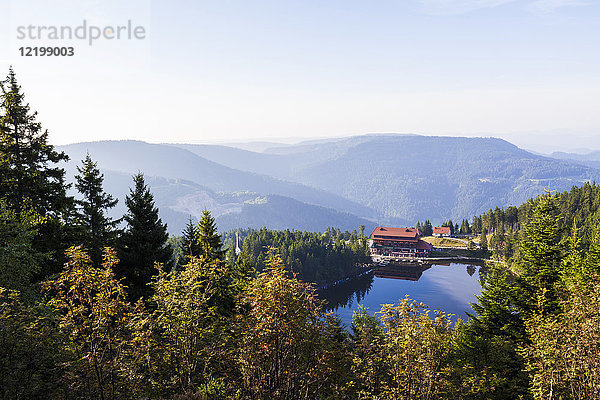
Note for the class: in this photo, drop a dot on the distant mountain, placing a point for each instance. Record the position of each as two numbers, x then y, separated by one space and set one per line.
244 160
254 146
168 171
178 200
591 159
285 213
372 179
176 163
414 177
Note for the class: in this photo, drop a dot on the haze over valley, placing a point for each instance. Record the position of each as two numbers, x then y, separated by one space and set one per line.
344 182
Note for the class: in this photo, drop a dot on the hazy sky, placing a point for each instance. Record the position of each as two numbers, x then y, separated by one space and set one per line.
225 70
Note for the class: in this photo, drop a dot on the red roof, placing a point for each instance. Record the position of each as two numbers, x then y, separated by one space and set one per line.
423 245
382 232
442 230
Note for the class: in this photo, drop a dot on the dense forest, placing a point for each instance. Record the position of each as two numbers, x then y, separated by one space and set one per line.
314 257
97 308
502 229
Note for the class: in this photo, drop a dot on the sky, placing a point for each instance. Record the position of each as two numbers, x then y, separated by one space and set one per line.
228 71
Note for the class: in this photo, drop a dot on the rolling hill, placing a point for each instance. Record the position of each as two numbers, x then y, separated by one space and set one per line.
414 177
371 179
235 198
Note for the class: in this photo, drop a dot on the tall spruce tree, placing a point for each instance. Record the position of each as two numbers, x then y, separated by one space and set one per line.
28 171
144 241
30 180
95 229
427 228
189 240
209 241
591 264
540 258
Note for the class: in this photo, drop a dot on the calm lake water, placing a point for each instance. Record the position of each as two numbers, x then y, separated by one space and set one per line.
449 288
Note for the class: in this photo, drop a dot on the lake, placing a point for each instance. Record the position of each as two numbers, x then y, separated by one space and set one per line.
447 287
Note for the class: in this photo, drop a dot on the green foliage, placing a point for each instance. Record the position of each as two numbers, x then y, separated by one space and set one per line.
193 314
578 207
96 229
464 227
563 357
18 263
315 257
26 171
591 261
483 242
426 228
217 330
189 241
31 183
285 350
404 355
486 362
539 257
30 350
209 241
96 319
144 241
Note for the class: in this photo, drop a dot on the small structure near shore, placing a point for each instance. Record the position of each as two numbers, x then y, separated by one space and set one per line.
442 231
397 245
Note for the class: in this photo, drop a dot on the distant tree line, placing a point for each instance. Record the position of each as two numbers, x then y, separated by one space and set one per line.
501 229
426 228
315 257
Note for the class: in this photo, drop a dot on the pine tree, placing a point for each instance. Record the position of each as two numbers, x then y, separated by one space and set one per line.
26 171
496 314
488 349
464 227
427 228
540 257
189 240
144 241
96 230
209 241
30 180
483 243
591 264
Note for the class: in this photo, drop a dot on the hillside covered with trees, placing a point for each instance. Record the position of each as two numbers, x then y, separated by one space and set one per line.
314 257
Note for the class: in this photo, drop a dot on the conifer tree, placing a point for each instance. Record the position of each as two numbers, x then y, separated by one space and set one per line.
495 312
483 240
427 228
591 265
30 180
573 266
144 241
540 258
464 227
96 229
189 242
27 166
209 241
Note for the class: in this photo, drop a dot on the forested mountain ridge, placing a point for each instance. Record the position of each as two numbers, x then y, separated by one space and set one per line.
385 179
179 199
186 184
174 163
591 159
415 177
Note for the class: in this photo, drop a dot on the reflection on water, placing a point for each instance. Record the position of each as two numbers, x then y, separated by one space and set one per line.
346 293
447 287
407 272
